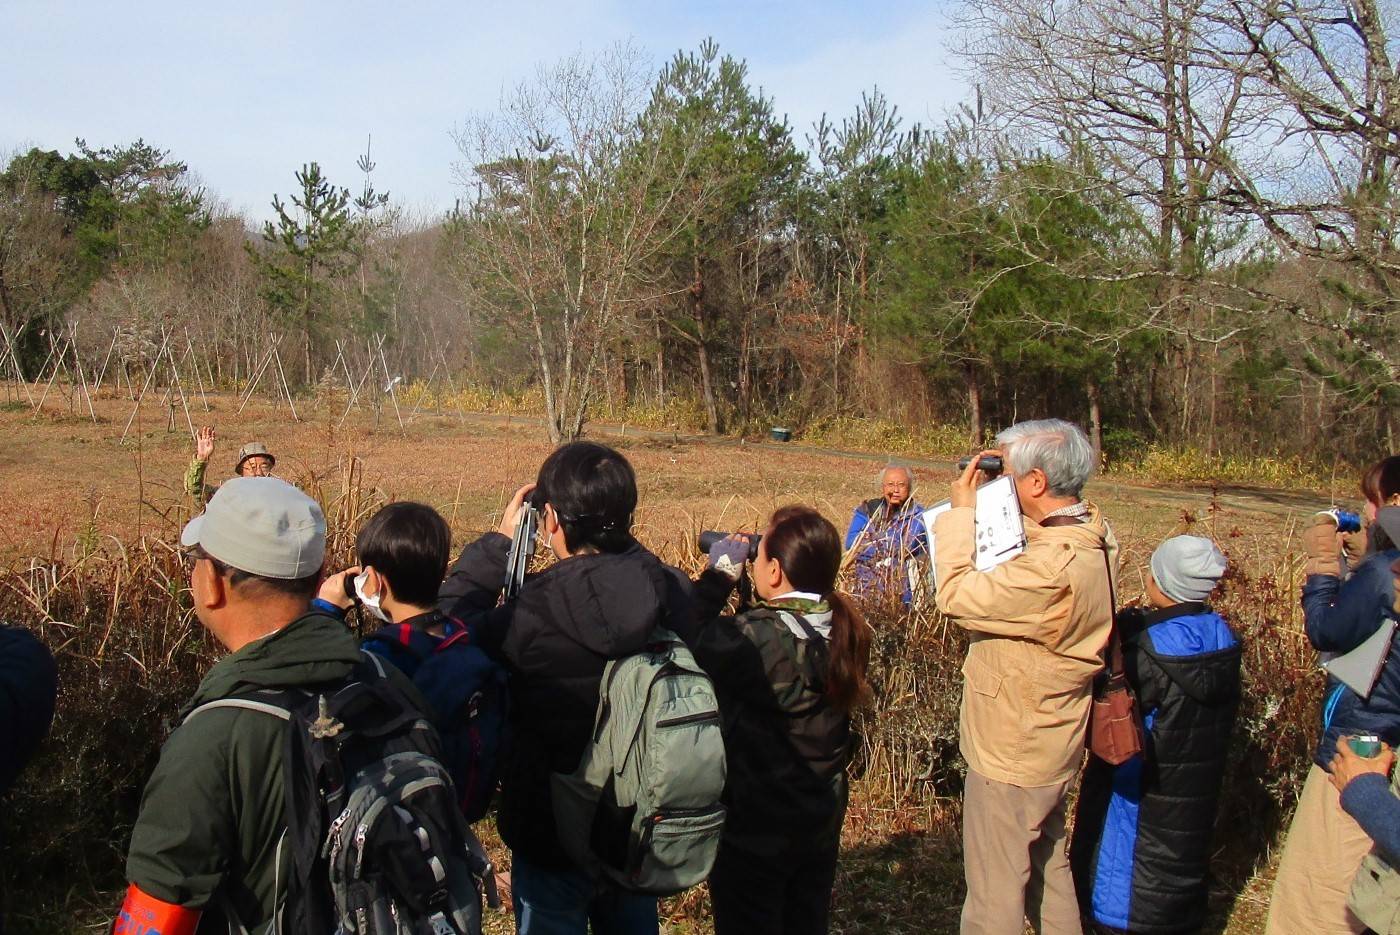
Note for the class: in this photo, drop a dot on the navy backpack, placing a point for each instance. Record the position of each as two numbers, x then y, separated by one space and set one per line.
467 692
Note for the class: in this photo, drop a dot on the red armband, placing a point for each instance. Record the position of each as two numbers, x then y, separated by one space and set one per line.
143 914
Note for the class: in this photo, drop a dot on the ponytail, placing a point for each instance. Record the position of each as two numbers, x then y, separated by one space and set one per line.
849 656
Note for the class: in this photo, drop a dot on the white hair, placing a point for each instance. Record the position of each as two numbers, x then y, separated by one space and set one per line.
908 475
1058 448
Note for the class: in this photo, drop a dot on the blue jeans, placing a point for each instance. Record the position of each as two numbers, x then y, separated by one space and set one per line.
566 902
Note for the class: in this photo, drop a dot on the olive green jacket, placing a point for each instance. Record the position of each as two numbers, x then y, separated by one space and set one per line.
212 814
194 482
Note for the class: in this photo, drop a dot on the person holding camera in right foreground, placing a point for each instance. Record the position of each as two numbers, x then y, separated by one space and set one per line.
1039 624
1324 847
788 672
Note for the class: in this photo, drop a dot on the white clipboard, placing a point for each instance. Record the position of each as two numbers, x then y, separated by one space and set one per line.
999 531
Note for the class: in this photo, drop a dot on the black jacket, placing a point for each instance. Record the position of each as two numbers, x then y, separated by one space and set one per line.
1142 834
555 638
28 687
786 748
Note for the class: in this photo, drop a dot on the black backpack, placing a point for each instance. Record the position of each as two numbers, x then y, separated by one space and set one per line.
377 842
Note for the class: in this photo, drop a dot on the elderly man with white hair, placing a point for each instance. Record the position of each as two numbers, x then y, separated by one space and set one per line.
887 534
1038 624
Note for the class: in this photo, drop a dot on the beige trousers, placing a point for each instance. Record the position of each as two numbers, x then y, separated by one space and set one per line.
1015 859
1321 855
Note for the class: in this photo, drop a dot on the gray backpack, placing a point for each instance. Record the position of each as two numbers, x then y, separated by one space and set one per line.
375 842
643 807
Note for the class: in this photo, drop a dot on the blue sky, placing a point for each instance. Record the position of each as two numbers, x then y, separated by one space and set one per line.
245 93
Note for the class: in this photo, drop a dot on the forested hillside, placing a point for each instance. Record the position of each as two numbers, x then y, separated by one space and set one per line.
1175 222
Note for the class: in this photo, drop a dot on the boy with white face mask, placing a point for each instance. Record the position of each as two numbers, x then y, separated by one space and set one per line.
403 553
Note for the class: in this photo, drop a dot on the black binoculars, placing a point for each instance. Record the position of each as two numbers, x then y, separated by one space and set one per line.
990 465
709 537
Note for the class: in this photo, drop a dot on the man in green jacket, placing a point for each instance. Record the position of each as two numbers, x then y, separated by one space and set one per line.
254 460
207 847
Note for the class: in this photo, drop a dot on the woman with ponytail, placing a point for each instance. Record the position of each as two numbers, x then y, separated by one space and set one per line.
788 670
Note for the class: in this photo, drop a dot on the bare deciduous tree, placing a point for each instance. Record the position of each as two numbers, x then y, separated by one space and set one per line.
569 200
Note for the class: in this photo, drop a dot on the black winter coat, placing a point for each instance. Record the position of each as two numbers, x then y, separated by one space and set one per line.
786 748
555 638
1142 834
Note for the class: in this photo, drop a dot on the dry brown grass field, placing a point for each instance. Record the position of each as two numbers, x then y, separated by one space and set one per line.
89 520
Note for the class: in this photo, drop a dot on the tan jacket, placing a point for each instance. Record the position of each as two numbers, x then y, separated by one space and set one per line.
1039 624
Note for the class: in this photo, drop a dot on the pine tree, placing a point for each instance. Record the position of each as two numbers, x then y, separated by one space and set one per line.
305 252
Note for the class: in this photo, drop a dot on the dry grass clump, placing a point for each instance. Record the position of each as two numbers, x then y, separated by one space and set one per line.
1189 465
128 654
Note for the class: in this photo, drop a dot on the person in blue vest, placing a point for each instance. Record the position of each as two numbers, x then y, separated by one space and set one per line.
886 535
1142 834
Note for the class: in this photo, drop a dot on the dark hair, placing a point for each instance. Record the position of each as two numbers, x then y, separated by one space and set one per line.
1381 480
240 580
594 492
409 544
808 549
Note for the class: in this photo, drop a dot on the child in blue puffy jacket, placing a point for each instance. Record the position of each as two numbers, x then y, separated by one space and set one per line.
1142 833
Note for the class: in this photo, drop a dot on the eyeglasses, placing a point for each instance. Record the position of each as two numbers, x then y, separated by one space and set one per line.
192 555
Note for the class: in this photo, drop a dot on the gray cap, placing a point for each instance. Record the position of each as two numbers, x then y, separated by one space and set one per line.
1187 568
261 525
252 450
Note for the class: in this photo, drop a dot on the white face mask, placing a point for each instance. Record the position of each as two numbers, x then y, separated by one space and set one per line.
370 601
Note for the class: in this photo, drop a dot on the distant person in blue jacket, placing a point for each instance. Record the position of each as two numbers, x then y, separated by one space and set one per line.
886 537
1325 847
1142 834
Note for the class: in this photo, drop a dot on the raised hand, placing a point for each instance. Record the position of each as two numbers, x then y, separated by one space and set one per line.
204 443
965 486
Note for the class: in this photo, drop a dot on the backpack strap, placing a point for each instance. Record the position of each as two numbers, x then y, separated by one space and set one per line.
812 635
459 637
247 704
374 661
814 640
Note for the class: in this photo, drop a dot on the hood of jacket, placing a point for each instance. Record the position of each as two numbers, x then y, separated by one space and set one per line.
313 648
1196 649
609 602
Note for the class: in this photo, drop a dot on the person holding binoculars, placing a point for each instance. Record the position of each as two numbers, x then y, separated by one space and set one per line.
1038 625
600 601
1342 609
788 672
